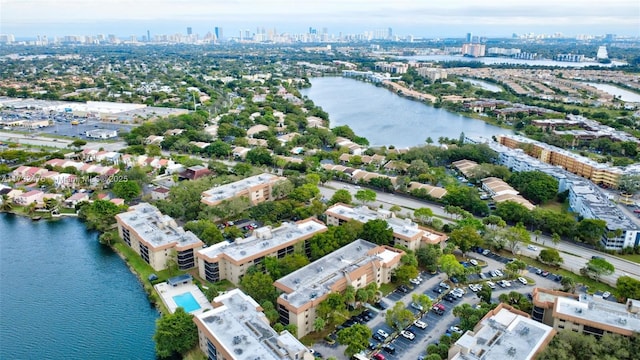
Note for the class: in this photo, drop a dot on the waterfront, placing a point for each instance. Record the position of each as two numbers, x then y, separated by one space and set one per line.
386 118
66 296
483 84
506 60
620 93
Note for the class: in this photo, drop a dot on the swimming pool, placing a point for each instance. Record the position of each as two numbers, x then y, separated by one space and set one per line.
187 302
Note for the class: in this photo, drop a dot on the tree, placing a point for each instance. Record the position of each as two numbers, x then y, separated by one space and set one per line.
517 300
465 238
305 192
319 324
591 230
470 316
570 345
422 300
555 239
515 266
356 338
428 257
485 294
423 215
205 230
568 284
378 232
99 215
259 286
515 235
175 334
270 311
450 265
536 186
365 196
341 196
597 267
399 317
628 288
127 189
404 273
550 256
259 156
78 143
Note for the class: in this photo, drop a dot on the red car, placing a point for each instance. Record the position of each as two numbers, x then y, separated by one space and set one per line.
378 357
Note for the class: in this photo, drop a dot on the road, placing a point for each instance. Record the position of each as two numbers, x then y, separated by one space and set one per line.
57 143
575 257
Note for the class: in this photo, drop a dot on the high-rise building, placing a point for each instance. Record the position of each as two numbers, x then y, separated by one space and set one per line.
148 36
218 32
189 30
469 37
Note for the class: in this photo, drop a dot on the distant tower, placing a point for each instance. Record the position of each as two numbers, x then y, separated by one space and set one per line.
602 53
469 37
148 36
389 33
218 31
189 30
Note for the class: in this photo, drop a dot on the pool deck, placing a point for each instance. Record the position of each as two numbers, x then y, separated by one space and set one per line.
167 292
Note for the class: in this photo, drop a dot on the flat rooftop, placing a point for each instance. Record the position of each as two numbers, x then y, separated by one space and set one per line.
228 191
505 335
245 332
316 279
403 227
600 311
263 239
156 228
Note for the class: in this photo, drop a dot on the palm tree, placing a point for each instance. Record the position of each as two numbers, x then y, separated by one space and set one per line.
555 238
6 205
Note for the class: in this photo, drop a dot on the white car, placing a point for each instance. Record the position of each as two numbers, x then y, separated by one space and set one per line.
498 272
455 329
473 262
444 285
491 284
504 283
417 306
420 324
606 294
533 248
486 252
408 334
382 333
474 287
522 280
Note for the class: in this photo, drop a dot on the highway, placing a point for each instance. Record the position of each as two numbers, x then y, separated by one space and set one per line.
575 257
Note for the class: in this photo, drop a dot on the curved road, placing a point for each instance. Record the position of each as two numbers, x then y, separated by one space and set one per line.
575 257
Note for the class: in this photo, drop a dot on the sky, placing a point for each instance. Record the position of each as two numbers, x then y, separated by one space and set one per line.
421 18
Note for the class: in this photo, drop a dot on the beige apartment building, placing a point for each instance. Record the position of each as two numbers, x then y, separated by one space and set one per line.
230 261
405 232
157 238
237 329
357 264
503 333
588 314
256 189
596 172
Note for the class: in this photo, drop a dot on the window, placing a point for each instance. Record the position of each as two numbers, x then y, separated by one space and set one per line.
126 236
186 259
212 271
144 253
212 352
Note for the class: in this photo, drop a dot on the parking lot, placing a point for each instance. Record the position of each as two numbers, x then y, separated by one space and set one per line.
437 325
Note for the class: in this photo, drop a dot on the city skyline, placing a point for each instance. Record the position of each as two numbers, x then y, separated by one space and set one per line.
27 18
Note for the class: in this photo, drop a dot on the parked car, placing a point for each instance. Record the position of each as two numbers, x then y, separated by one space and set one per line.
382 333
407 334
544 274
491 284
389 348
474 262
420 324
533 248
380 305
378 356
402 289
444 285
415 281
417 306
486 252
606 294
378 337
438 309
522 280
455 329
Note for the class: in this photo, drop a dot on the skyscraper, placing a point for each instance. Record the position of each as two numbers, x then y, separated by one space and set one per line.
148 36
469 37
218 32
189 30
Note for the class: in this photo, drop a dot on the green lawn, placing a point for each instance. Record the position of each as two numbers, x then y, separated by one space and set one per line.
634 257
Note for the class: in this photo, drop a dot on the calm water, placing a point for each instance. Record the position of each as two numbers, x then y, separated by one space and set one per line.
622 94
483 84
65 296
385 118
505 60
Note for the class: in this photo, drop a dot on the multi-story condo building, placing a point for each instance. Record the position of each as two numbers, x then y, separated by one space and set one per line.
256 189
588 314
157 238
405 232
357 264
573 163
504 333
237 329
585 198
230 260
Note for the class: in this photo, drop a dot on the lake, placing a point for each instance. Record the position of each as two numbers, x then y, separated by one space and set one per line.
483 84
386 118
622 94
66 296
